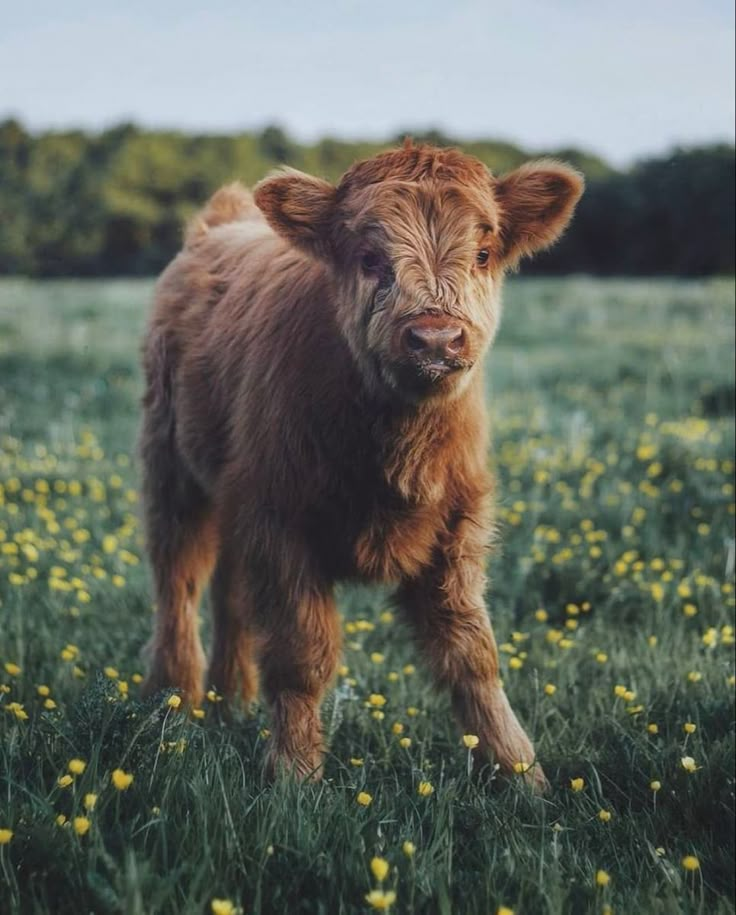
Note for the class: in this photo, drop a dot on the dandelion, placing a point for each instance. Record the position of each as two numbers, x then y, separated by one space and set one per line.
409 848
690 610
121 780
364 799
550 689
377 657
521 767
504 910
12 669
174 701
43 691
112 673
222 907
16 708
397 728
409 670
405 743
602 878
198 713
425 789
76 766
64 781
89 801
604 816
376 700
81 825
688 764
689 727
577 784
380 899
655 785
379 868
412 711
653 728
5 836
60 820
601 657
690 863
470 741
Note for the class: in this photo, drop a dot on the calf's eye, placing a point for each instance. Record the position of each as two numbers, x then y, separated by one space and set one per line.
370 261
482 257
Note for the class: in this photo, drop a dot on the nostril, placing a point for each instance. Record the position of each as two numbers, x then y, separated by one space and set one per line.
456 343
415 340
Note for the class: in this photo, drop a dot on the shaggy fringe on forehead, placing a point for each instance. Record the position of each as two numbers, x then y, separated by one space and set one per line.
415 163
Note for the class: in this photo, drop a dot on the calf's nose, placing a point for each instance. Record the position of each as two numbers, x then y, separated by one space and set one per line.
433 341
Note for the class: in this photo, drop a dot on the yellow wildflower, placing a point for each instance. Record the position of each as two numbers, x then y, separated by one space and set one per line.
121 780
380 899
409 848
470 741
222 907
604 815
76 766
602 878
174 701
5 836
688 764
89 801
364 799
64 781
690 863
379 868
425 789
577 784
81 825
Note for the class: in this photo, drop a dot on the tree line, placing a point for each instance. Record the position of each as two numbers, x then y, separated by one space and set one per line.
113 203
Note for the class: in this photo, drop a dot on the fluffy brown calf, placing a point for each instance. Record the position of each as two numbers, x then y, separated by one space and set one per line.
314 412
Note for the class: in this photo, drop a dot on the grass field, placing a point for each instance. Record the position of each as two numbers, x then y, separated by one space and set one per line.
612 598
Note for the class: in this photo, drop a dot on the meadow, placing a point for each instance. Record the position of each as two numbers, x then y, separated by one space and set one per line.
612 597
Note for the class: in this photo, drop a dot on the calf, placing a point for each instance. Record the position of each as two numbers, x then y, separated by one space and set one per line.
314 412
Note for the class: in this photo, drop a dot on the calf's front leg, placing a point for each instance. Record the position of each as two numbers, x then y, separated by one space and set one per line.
445 607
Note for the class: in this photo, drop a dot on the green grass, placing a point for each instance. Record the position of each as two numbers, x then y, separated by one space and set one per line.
612 405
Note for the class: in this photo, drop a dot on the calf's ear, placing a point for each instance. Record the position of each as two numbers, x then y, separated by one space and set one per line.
537 202
299 208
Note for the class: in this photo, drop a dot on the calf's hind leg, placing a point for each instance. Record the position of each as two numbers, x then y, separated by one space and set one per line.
182 546
232 663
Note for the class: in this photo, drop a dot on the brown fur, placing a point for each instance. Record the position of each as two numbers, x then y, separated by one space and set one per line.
293 438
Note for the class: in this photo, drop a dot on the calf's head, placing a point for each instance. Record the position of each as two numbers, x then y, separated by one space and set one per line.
418 241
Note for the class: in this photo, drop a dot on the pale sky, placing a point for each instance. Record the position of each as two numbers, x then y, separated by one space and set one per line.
623 78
